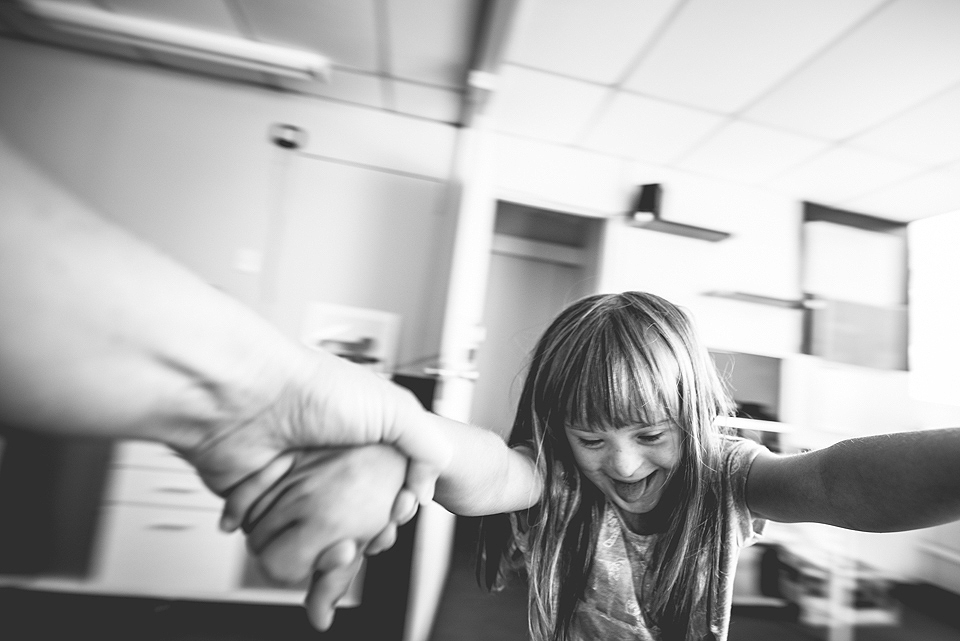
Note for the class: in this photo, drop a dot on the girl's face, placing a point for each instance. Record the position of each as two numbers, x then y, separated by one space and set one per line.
631 465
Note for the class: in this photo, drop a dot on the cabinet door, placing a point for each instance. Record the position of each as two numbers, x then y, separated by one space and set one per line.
160 488
166 551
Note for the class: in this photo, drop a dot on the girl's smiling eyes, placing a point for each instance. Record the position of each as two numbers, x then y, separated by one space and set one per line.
591 443
650 437
646 438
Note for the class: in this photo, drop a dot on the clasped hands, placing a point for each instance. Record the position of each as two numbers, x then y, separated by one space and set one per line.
316 513
323 473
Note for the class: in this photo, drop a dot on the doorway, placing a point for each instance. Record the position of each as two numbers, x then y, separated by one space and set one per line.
541 261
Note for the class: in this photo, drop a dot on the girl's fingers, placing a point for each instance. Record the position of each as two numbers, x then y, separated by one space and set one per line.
421 480
247 493
339 554
383 541
404 507
326 589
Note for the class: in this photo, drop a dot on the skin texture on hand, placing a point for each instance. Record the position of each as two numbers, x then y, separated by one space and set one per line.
315 511
328 495
324 401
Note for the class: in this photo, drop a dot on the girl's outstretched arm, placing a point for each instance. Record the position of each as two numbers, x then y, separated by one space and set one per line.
884 483
484 475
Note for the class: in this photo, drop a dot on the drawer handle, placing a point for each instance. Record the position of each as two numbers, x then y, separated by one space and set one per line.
170 527
176 490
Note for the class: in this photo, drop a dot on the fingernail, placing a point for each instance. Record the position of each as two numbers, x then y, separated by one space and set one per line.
228 524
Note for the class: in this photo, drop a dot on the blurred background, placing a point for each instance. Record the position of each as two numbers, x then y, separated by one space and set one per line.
440 177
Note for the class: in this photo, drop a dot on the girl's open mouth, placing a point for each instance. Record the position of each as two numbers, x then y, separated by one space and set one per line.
630 492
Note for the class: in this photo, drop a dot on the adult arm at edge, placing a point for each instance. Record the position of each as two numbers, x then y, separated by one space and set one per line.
101 334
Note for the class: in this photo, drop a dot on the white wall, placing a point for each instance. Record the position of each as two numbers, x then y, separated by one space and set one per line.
761 257
359 216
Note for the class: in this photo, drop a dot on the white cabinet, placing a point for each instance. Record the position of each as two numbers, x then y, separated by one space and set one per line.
152 550
158 531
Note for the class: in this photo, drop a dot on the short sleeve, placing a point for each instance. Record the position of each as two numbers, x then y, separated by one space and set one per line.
739 454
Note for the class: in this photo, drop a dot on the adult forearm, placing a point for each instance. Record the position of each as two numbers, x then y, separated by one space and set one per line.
892 482
102 334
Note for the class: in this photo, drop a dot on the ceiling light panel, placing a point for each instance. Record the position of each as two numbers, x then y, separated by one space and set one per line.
585 39
431 42
841 174
207 67
648 130
903 55
542 105
212 15
39 32
929 134
343 30
722 55
749 153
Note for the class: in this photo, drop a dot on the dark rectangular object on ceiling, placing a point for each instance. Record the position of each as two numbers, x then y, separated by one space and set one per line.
645 214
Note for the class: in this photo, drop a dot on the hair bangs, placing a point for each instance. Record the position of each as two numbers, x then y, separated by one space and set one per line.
614 385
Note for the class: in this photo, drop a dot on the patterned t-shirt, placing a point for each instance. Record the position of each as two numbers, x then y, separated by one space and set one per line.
610 611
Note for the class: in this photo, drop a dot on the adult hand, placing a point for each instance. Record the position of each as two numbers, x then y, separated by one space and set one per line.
326 401
317 512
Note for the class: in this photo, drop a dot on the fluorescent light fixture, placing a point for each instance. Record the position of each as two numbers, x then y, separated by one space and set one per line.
645 213
789 303
184 41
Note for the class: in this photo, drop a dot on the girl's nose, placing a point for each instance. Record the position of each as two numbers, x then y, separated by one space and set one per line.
624 462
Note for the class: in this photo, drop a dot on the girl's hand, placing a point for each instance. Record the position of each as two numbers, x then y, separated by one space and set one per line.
301 504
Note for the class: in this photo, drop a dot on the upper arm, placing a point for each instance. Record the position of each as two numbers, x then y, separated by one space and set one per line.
787 488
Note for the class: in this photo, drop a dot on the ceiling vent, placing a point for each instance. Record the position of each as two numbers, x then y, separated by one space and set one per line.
645 214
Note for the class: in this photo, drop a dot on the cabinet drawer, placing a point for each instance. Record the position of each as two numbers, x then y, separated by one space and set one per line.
160 487
151 550
148 454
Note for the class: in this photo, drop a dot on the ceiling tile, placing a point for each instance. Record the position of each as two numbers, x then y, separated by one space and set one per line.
542 105
722 55
903 55
343 30
348 86
211 15
929 134
648 130
935 192
588 39
749 153
840 175
443 105
431 41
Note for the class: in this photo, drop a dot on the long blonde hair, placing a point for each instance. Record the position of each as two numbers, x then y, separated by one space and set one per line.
608 361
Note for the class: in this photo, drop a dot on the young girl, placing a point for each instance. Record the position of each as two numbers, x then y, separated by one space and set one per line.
623 501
